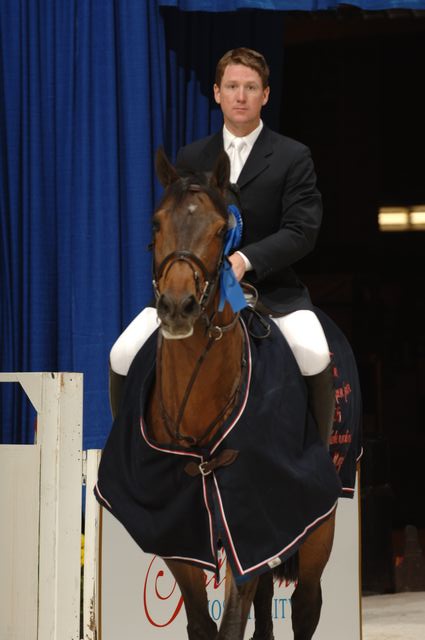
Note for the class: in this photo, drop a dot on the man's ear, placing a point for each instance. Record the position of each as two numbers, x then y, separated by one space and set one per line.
220 176
164 169
217 93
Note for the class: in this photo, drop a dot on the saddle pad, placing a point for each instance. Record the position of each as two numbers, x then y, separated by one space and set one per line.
345 441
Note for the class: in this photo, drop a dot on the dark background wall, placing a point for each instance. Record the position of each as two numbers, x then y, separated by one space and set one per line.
352 93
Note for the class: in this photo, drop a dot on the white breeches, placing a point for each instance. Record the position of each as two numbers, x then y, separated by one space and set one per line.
301 329
131 339
305 336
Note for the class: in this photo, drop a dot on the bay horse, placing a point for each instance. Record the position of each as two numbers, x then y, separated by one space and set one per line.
199 362
213 445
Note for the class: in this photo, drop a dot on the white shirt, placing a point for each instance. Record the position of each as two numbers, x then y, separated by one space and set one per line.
249 140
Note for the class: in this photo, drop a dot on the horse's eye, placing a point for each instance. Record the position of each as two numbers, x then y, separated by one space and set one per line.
155 225
222 231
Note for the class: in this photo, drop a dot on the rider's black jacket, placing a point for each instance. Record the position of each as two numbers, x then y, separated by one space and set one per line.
281 208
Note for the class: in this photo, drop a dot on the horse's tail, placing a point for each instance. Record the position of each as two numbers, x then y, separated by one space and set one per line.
288 570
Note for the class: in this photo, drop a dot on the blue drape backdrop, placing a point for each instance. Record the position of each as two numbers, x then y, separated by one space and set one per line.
81 113
88 91
84 107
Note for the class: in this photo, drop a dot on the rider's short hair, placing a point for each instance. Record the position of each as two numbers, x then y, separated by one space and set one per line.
247 57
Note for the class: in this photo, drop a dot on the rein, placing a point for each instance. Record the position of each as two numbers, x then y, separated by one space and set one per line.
173 428
205 294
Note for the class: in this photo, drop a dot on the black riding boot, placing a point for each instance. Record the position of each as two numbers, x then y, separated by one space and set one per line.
321 401
116 387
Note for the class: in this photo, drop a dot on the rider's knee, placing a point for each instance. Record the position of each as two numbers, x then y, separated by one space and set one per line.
311 361
305 336
132 339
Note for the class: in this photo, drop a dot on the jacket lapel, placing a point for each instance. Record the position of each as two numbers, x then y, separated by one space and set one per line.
259 158
212 150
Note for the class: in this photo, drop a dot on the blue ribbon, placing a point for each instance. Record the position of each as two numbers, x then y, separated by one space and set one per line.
230 289
235 227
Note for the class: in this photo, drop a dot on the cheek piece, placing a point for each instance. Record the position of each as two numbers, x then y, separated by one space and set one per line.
230 289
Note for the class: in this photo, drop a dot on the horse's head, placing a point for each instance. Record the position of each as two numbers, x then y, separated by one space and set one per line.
189 227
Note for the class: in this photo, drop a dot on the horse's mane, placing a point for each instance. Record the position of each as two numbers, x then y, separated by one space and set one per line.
191 182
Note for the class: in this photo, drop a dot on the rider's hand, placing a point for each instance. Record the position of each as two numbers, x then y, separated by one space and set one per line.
238 266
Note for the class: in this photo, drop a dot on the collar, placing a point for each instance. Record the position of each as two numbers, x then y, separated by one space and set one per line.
250 139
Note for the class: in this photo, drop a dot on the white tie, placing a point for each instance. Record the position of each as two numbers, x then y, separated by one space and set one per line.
237 160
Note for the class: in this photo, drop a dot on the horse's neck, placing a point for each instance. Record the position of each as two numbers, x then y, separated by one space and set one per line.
213 387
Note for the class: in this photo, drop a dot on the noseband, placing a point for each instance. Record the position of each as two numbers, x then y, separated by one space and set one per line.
203 293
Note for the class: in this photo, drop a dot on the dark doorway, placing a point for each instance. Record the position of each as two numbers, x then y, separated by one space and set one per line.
351 85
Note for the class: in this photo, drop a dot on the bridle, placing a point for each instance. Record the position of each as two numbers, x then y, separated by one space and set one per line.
205 292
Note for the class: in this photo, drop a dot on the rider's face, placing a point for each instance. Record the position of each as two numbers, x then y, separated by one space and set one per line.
241 97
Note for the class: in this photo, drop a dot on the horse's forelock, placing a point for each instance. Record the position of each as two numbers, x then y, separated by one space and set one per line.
179 189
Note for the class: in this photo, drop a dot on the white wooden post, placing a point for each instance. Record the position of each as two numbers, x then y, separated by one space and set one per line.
57 398
59 434
19 513
91 620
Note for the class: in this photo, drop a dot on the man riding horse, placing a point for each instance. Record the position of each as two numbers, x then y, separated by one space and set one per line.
213 421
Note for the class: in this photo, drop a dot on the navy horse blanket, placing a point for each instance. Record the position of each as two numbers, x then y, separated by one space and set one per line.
282 484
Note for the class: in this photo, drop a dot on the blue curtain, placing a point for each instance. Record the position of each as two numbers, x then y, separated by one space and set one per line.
289 5
81 112
83 108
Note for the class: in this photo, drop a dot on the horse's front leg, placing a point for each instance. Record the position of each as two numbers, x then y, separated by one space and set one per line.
238 600
191 581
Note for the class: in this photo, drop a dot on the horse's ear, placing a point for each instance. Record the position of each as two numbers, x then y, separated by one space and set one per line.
220 176
164 169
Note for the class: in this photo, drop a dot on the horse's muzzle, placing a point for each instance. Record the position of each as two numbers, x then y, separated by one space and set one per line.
177 316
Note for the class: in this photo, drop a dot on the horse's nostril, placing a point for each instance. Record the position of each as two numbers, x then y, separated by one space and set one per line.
189 306
165 305
170 309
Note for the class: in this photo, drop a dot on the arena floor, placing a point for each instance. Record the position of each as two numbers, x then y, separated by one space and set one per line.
399 616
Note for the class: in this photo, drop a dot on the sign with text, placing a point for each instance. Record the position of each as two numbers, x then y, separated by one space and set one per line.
140 598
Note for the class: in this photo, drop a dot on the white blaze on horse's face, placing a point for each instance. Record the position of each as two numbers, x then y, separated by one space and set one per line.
188 242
